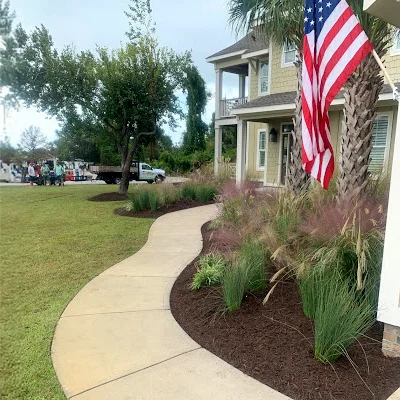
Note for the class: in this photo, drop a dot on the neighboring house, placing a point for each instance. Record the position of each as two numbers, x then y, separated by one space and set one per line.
263 112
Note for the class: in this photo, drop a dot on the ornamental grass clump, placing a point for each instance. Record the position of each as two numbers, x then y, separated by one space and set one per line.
210 271
252 258
154 200
188 191
341 317
205 192
234 284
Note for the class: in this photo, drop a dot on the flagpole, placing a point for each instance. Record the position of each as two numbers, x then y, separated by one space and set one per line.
396 94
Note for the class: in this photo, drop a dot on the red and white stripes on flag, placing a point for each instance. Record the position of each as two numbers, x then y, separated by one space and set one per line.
334 45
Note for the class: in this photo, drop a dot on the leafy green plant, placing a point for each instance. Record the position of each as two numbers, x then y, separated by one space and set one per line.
234 284
210 271
252 257
341 316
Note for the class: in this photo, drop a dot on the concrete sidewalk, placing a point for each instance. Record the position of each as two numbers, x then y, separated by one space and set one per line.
117 339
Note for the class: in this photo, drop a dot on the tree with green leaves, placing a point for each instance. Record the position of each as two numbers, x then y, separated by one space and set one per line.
197 96
7 150
32 139
126 92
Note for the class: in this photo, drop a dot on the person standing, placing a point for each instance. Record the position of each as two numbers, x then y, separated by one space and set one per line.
31 173
59 173
45 171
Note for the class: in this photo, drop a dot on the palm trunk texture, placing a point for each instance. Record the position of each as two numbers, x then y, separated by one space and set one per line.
297 178
361 93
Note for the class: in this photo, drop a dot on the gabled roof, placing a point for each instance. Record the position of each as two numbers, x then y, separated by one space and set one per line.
283 98
250 43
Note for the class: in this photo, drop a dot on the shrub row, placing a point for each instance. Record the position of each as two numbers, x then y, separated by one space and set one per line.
158 196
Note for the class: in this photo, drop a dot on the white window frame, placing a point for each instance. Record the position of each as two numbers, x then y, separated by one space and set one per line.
285 64
258 167
260 93
388 114
395 50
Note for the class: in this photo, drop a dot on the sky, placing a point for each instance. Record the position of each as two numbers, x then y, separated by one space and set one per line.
201 27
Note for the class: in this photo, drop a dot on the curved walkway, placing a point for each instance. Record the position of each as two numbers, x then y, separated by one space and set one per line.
117 339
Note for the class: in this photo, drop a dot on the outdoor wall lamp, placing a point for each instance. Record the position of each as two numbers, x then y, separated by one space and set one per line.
273 135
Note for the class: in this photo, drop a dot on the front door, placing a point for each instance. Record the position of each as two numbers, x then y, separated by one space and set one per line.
286 148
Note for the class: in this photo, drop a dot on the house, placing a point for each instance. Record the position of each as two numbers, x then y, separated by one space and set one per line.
263 111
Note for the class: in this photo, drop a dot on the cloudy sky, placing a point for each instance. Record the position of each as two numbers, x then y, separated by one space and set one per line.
181 24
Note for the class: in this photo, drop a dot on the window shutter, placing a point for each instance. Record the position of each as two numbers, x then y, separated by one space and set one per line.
379 142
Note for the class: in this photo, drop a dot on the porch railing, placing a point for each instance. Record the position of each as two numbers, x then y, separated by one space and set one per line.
226 105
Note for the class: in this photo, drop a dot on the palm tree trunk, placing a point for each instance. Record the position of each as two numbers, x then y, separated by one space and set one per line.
297 178
361 94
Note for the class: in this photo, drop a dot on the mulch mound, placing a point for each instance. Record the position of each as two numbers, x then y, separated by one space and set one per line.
113 196
177 206
273 343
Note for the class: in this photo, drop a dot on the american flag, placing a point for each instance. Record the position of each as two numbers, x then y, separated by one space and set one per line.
334 45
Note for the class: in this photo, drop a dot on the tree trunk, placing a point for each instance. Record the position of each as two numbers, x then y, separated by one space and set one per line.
124 184
297 178
126 163
361 94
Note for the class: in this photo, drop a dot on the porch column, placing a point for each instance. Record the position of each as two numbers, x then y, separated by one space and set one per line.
242 85
217 149
218 92
389 293
267 129
241 151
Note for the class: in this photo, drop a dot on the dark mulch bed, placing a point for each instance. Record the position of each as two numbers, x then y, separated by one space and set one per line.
113 196
177 206
274 343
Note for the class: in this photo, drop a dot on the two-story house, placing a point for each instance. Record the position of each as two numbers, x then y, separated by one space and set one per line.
264 118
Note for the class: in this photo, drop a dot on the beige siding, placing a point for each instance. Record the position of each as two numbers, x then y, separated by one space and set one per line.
392 64
252 172
283 79
253 89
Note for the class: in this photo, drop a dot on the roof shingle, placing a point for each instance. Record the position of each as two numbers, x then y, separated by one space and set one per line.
251 42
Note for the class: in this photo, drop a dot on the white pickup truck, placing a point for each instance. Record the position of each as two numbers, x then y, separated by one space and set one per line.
145 172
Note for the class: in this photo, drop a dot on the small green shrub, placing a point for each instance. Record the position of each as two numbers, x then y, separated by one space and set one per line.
341 316
234 284
154 200
205 192
252 257
210 271
188 191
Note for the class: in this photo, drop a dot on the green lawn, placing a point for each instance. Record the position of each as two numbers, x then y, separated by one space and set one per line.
53 241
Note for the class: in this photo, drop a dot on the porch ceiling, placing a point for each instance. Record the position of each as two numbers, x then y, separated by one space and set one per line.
388 10
242 69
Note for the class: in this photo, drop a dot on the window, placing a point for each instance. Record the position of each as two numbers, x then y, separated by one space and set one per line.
264 77
396 42
380 133
146 167
262 137
289 54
